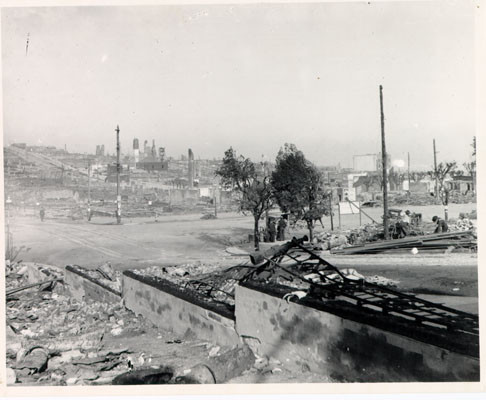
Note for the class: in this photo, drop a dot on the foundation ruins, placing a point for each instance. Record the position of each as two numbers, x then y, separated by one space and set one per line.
286 304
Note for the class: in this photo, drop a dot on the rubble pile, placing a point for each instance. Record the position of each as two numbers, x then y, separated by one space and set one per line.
456 197
413 199
56 340
442 242
178 274
426 199
208 281
462 224
104 274
364 234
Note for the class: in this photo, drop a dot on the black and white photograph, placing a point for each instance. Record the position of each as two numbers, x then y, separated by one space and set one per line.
240 193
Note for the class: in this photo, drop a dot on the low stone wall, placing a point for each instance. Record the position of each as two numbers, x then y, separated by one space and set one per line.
162 303
345 344
347 350
81 287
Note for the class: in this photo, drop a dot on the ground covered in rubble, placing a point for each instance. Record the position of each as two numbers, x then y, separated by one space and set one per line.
52 339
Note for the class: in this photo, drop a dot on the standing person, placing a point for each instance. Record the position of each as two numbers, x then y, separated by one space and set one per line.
282 226
441 224
42 213
272 229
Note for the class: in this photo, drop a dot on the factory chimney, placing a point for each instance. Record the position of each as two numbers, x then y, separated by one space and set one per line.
190 176
136 150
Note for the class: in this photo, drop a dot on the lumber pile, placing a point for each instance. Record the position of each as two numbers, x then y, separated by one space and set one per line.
439 242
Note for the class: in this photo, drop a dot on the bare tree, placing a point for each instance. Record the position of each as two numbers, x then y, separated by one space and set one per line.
443 169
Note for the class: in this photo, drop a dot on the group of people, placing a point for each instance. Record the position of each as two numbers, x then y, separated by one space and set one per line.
275 230
402 226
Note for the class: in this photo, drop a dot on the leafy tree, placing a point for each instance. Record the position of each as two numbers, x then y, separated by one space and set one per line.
299 187
254 189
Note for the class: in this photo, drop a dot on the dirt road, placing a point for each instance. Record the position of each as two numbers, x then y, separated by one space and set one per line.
137 242
178 239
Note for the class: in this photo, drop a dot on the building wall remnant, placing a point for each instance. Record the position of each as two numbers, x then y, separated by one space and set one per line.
345 349
169 310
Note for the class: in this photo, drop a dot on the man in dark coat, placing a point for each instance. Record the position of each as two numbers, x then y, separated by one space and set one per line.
282 225
272 229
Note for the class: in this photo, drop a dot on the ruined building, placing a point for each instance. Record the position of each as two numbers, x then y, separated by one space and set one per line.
150 160
100 150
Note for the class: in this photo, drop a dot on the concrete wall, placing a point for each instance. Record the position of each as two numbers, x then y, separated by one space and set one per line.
344 349
81 287
296 334
172 312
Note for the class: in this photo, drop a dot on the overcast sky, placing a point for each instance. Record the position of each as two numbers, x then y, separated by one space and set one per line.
249 76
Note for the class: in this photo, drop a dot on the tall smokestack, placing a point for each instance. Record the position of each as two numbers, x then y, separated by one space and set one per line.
154 151
136 150
190 176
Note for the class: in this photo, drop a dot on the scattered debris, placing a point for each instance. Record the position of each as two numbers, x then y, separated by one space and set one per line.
432 242
51 336
295 266
146 376
104 275
214 351
107 272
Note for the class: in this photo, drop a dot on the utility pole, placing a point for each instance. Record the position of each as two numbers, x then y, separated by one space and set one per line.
408 173
89 190
436 187
89 183
330 201
118 197
383 162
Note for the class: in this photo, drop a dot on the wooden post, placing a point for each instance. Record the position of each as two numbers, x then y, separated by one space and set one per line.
408 172
89 183
359 214
330 207
339 215
383 161
330 200
436 188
